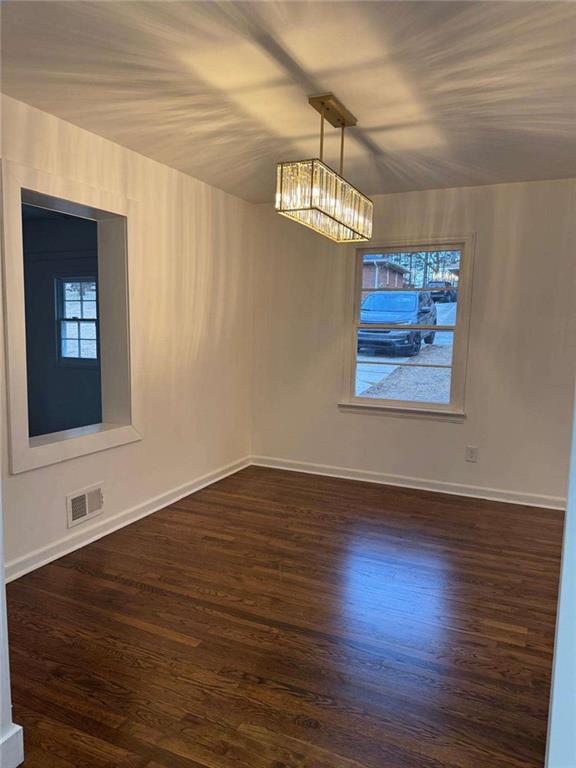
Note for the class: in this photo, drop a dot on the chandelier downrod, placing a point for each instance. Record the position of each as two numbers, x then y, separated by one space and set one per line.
331 109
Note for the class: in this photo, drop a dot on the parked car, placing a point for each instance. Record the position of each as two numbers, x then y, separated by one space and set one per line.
397 308
442 290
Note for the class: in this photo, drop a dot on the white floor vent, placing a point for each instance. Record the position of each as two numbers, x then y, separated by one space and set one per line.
84 504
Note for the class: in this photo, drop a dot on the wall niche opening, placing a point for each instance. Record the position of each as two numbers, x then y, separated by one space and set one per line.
67 319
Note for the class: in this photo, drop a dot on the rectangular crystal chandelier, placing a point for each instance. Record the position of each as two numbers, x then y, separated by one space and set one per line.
311 193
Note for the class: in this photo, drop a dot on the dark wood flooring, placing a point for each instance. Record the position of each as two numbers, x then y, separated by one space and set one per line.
283 620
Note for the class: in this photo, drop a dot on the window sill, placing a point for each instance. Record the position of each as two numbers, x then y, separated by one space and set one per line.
437 414
43 450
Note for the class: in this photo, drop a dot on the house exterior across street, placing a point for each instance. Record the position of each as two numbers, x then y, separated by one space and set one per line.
379 272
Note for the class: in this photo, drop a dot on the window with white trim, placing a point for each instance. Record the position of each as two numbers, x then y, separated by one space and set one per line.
77 318
410 328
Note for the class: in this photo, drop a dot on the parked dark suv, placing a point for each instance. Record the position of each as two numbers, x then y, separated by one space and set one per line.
397 308
442 290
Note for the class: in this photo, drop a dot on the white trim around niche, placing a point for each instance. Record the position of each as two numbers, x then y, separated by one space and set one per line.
106 207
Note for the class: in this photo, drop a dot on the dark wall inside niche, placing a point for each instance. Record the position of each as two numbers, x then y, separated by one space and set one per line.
60 395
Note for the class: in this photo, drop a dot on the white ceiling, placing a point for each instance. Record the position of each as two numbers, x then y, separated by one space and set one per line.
446 93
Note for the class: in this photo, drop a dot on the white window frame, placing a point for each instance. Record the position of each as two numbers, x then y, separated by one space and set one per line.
60 319
115 216
456 409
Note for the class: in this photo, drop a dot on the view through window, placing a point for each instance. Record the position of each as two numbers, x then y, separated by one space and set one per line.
78 319
407 324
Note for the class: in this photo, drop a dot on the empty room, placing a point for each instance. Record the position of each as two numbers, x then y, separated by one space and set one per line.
287 374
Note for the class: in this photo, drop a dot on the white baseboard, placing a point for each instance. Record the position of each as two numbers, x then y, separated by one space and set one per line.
12 747
79 538
22 565
404 481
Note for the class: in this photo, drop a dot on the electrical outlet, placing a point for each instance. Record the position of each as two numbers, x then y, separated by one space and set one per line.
471 453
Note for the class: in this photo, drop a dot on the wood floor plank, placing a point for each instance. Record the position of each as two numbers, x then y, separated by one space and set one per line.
282 620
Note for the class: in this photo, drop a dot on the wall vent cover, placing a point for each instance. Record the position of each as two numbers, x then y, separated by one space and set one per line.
84 504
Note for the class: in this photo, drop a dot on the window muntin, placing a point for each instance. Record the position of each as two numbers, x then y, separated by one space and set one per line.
408 344
78 318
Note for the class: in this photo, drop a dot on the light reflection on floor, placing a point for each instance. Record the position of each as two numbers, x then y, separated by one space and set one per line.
378 589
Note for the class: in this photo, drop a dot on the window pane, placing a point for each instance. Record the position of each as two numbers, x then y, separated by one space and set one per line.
72 309
447 310
409 347
369 376
89 309
408 308
70 330
410 383
87 330
87 348
71 291
439 270
89 291
70 348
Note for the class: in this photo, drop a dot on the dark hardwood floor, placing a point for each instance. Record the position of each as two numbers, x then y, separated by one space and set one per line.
283 620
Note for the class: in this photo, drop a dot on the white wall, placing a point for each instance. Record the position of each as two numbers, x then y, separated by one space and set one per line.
190 305
521 362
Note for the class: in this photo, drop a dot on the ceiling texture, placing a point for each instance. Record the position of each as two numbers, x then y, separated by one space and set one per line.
446 93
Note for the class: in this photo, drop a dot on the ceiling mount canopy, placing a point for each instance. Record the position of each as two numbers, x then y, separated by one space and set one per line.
313 194
333 110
